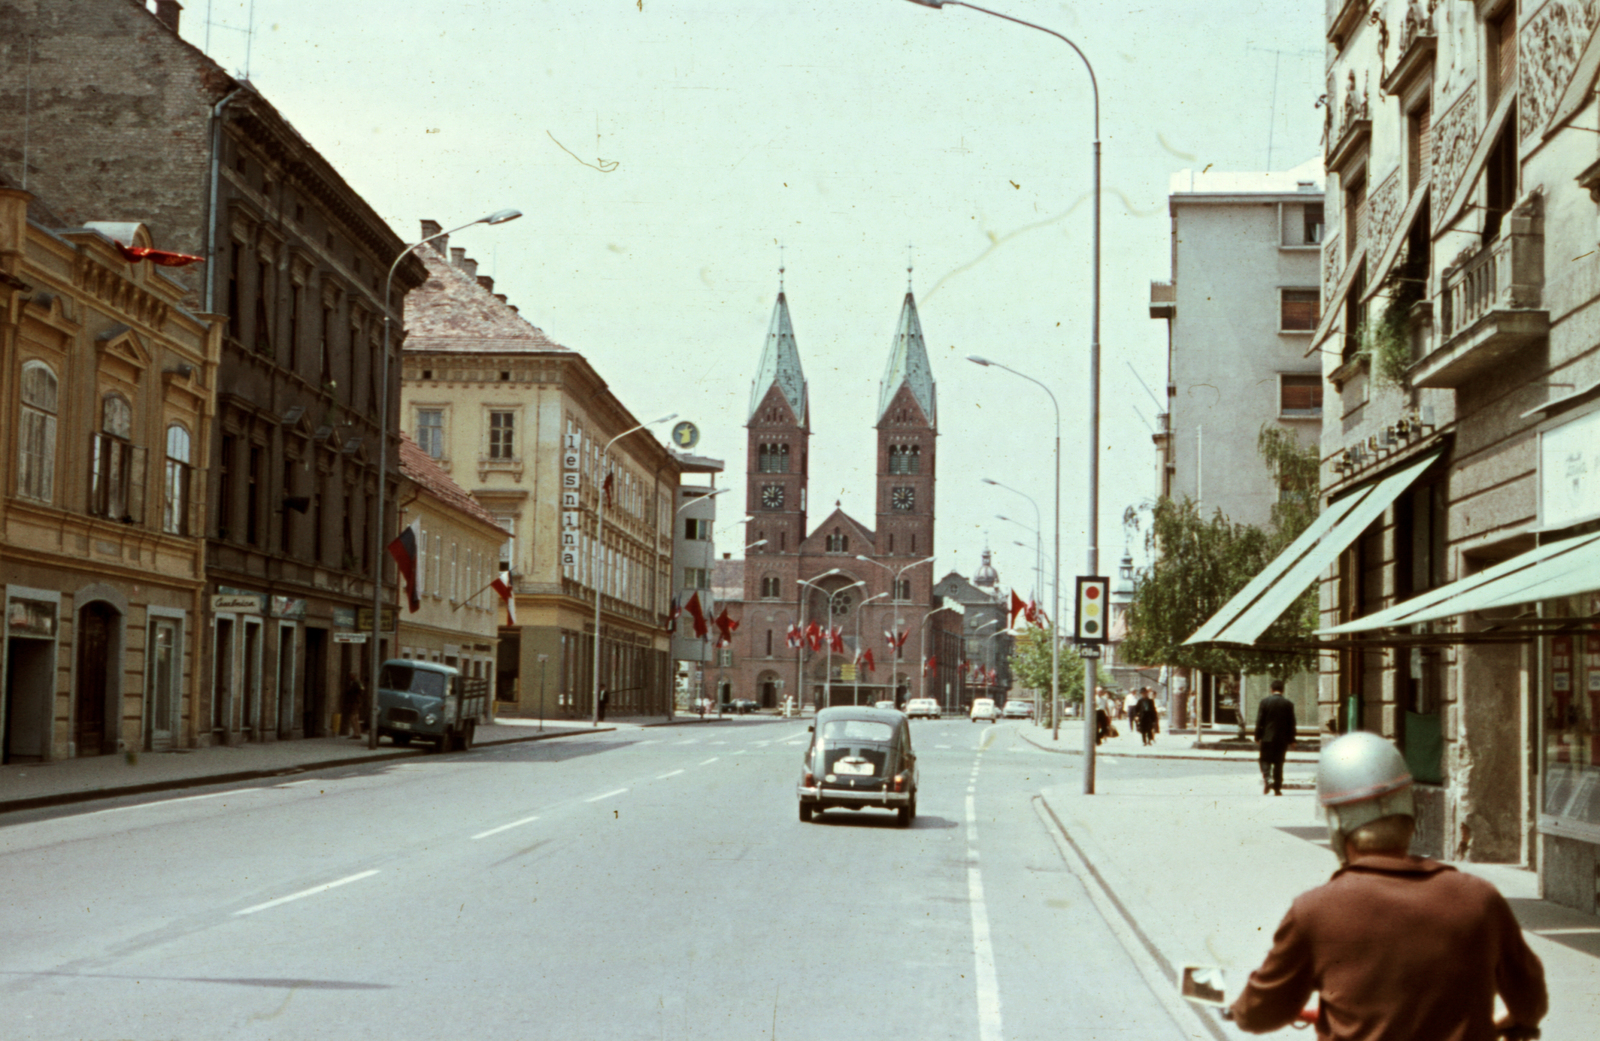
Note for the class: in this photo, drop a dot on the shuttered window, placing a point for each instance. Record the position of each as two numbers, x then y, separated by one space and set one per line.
1419 159
36 438
1299 310
1503 53
1355 216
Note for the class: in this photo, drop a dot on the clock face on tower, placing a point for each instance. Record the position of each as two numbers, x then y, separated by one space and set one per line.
772 496
903 498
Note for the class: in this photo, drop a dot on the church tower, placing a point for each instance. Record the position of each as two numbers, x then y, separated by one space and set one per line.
775 471
907 425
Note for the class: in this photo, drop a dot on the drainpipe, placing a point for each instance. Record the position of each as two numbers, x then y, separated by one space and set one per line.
211 215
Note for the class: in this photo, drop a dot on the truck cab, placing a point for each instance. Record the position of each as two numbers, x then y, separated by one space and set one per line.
419 699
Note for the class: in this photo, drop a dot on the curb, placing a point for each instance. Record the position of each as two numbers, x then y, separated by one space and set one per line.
1222 758
177 783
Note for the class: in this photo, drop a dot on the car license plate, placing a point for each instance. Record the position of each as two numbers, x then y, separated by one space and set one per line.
401 726
858 768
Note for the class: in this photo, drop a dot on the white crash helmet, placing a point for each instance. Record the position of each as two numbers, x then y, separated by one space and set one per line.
1361 778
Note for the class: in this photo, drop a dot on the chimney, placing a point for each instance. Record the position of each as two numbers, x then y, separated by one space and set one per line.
469 267
486 282
167 13
457 256
500 297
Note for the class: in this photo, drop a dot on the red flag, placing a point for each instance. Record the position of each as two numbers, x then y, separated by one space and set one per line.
836 639
814 636
606 486
405 550
994 677
1033 614
698 614
1017 607
897 640
866 660
502 585
930 666
725 628
134 254
795 637
977 672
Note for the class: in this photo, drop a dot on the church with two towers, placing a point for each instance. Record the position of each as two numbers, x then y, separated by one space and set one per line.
797 573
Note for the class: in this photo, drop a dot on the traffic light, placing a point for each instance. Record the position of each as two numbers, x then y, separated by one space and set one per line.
1094 611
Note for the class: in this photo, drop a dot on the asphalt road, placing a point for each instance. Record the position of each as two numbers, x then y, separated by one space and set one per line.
652 884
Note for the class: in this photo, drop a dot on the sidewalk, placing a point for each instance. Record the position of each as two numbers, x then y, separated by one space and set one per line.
31 785
1201 870
1219 744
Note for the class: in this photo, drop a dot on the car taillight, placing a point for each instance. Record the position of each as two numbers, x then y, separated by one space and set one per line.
810 779
899 782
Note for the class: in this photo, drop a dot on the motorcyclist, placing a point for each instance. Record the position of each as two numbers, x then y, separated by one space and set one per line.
1398 948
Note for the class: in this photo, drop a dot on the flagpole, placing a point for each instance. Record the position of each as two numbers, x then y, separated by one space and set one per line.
855 697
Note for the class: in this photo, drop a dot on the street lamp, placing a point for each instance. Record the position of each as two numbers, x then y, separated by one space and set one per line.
599 559
827 673
1038 528
800 652
922 650
1094 406
855 697
497 217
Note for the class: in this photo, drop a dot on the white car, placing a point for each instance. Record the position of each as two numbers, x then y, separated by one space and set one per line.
926 707
1018 710
984 708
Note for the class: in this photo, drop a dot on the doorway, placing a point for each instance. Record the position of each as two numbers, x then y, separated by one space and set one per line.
285 681
313 690
161 717
222 680
29 692
250 717
96 631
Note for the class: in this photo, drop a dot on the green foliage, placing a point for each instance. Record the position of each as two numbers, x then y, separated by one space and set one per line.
1030 664
1386 340
1201 562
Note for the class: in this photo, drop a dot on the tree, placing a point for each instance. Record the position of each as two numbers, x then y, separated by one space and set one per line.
1201 562
1030 664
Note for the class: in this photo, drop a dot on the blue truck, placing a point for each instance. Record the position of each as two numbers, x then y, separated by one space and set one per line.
420 700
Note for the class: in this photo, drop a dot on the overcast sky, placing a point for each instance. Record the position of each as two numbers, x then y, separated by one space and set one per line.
662 151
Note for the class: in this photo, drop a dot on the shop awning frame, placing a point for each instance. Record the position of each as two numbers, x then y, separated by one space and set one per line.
1243 619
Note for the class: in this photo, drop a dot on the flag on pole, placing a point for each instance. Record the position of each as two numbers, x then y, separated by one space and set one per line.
930 666
698 614
607 485
673 613
814 636
795 637
725 628
1018 607
165 258
836 639
502 585
865 660
406 550
994 677
897 640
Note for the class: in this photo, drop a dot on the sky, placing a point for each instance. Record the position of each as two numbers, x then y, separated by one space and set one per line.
663 151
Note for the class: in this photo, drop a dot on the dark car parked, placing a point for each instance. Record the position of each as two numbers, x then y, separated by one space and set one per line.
739 707
859 758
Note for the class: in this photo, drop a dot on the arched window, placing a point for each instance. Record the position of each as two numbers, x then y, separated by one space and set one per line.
116 467
905 459
770 588
175 506
838 543
772 459
36 433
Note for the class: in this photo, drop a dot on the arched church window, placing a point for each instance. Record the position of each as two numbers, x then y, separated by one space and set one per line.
838 542
772 458
769 587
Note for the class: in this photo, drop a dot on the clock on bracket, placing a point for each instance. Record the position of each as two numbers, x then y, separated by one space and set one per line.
903 498
772 496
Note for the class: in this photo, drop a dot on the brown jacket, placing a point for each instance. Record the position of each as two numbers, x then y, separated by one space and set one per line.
1400 949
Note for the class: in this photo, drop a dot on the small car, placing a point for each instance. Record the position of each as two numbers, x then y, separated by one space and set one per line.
1017 710
739 707
884 704
984 708
927 708
859 758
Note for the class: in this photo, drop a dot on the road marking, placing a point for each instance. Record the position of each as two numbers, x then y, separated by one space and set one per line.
607 795
674 773
719 742
169 802
313 891
794 742
652 741
988 984
691 741
941 746
504 827
713 759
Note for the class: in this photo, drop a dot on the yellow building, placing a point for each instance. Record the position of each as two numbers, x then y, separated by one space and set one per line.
106 391
522 422
458 623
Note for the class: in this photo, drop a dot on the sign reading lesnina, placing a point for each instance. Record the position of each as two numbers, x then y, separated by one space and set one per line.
571 481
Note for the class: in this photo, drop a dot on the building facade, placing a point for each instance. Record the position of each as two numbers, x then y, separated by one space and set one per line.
295 262
107 387
800 574
695 566
530 429
458 622
984 667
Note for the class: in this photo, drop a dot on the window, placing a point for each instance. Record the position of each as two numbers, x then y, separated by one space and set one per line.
905 459
36 436
223 511
502 435
1502 53
1299 397
772 459
252 497
286 528
771 589
327 347
508 548
902 589
837 542
175 504
263 331
696 578
116 476
294 326
430 431
1419 138
697 529
235 318
1299 310
1500 179
1355 214
1302 222
769 643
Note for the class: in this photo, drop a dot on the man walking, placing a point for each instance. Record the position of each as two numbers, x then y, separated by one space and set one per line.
1274 733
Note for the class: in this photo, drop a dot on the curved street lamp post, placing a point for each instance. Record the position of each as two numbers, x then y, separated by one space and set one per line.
378 543
800 652
855 697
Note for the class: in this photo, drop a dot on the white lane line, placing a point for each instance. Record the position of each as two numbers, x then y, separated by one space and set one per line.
652 741
674 773
719 742
504 827
941 746
691 741
713 759
984 976
607 795
169 802
313 891
794 742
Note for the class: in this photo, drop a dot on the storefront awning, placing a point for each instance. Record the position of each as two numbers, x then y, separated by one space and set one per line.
1559 569
1255 607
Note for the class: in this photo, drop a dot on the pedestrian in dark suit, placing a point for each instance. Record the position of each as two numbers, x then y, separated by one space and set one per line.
1274 733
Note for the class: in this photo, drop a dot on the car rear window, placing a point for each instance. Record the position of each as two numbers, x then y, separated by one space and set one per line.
857 730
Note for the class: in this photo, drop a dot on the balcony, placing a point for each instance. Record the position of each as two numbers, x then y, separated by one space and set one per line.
1489 309
1163 299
